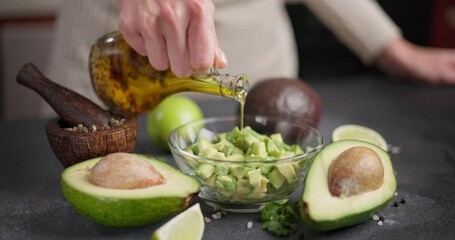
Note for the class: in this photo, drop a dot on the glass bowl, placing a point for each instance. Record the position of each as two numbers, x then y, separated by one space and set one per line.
245 185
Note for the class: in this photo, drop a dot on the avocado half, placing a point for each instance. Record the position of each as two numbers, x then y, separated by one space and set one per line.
128 207
322 211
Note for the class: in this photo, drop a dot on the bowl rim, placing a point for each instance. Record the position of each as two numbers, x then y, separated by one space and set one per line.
313 151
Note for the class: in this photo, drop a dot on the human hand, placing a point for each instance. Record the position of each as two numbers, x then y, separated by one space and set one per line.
432 65
176 34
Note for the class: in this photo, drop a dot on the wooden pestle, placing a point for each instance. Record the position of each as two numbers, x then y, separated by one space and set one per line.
72 107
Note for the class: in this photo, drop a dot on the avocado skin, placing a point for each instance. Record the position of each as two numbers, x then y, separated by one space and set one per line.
116 212
341 222
287 98
348 220
125 212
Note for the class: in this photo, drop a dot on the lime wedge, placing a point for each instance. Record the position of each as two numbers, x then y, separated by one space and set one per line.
357 132
187 225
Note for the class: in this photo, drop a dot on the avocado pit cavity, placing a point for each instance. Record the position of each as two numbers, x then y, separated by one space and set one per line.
355 171
124 171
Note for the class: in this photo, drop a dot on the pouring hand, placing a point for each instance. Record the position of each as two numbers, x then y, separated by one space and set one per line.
176 34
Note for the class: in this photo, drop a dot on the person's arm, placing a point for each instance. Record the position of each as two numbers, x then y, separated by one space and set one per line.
365 28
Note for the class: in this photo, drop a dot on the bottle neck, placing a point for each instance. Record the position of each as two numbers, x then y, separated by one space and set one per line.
231 86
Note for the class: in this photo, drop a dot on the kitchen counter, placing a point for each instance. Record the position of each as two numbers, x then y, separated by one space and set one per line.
418 121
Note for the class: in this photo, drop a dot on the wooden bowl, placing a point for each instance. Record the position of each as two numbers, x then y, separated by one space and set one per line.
72 147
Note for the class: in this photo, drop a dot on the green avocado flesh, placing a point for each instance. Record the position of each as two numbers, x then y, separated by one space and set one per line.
248 170
128 207
322 211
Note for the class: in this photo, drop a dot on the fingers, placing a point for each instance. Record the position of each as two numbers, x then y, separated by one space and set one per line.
156 50
220 59
202 40
175 34
174 25
128 23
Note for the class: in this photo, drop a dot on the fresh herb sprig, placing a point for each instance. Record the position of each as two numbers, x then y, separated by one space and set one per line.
279 218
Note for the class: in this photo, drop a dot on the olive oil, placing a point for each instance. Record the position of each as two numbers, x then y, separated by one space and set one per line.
126 82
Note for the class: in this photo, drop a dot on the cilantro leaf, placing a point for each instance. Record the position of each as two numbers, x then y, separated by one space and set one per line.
279 218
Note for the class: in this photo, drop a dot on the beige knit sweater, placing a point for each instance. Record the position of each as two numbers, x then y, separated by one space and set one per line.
256 36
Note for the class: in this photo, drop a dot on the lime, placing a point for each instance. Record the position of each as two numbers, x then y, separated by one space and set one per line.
171 113
357 132
187 225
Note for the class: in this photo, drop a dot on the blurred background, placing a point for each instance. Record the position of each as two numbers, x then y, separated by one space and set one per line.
26 28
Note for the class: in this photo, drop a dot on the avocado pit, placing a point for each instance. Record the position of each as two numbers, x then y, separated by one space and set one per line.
124 171
356 170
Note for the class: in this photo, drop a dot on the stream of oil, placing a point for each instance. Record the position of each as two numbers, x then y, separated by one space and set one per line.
241 98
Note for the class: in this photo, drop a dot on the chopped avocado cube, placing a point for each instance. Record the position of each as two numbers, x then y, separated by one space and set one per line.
297 165
219 156
189 150
195 149
271 148
276 178
205 170
249 131
276 138
265 168
209 152
244 186
282 146
221 169
240 171
237 150
263 187
255 178
222 144
222 136
203 144
253 158
296 149
210 182
226 185
233 135
227 150
190 160
258 149
270 158
261 191
287 170
248 140
285 154
235 157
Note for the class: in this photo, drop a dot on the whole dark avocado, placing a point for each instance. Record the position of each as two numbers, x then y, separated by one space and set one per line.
291 99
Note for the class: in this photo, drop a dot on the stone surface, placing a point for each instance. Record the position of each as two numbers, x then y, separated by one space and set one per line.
417 118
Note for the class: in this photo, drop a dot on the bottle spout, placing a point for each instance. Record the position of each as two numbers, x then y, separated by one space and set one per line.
233 86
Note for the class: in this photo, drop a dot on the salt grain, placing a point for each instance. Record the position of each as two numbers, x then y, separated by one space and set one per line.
375 217
217 215
395 150
380 223
249 224
207 220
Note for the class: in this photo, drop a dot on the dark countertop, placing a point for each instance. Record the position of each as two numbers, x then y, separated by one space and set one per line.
418 119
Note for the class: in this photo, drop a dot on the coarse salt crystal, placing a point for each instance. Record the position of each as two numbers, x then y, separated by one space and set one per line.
249 224
207 220
380 223
375 217
216 215
395 149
